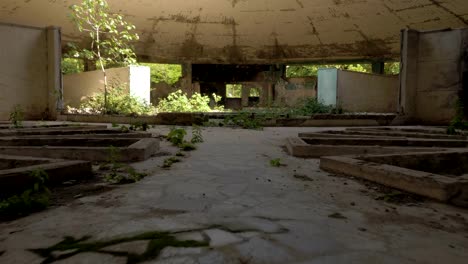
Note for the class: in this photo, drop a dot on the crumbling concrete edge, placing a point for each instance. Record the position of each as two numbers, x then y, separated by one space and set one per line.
435 186
58 171
299 148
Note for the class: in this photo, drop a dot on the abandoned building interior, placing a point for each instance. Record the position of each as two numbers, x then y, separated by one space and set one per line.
234 131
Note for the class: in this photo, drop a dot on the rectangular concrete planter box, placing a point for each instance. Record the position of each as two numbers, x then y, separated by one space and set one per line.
140 150
17 179
372 133
187 119
299 148
182 119
439 187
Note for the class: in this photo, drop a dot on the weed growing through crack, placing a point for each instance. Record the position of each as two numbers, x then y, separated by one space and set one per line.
17 116
169 161
197 136
176 136
120 173
275 162
31 200
187 146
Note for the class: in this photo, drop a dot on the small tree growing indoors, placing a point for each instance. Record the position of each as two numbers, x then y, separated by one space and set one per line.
110 34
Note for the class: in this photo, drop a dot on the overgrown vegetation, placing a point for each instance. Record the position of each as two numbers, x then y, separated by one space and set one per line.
120 173
391 68
17 116
31 200
176 136
245 120
157 241
72 65
179 101
110 35
167 73
310 106
119 102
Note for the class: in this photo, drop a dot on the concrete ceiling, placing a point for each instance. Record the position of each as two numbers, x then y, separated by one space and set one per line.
258 31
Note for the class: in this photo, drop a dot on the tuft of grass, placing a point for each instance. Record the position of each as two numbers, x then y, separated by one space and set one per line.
17 116
187 146
169 161
31 200
275 162
180 154
120 173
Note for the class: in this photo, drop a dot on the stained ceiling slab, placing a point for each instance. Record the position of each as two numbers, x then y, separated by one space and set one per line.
257 31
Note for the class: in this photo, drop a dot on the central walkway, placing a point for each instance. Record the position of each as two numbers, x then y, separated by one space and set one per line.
227 193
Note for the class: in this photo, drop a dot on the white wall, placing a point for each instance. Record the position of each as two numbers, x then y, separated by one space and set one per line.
25 73
358 92
136 80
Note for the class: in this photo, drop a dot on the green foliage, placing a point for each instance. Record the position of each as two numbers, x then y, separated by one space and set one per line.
392 68
217 99
119 102
142 126
17 116
187 146
459 121
254 92
176 136
311 70
245 120
310 106
110 34
169 161
275 162
197 136
31 200
120 173
167 73
71 66
180 102
233 90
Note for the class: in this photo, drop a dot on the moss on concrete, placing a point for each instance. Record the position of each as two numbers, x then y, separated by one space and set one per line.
157 241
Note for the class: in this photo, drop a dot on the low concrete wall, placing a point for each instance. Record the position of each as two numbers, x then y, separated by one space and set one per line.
432 70
292 90
358 92
363 92
136 80
27 71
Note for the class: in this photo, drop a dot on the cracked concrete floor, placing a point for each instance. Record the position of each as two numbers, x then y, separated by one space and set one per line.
227 193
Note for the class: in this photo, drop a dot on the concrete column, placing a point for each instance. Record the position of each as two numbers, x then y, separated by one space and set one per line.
186 82
408 75
54 60
378 67
245 95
